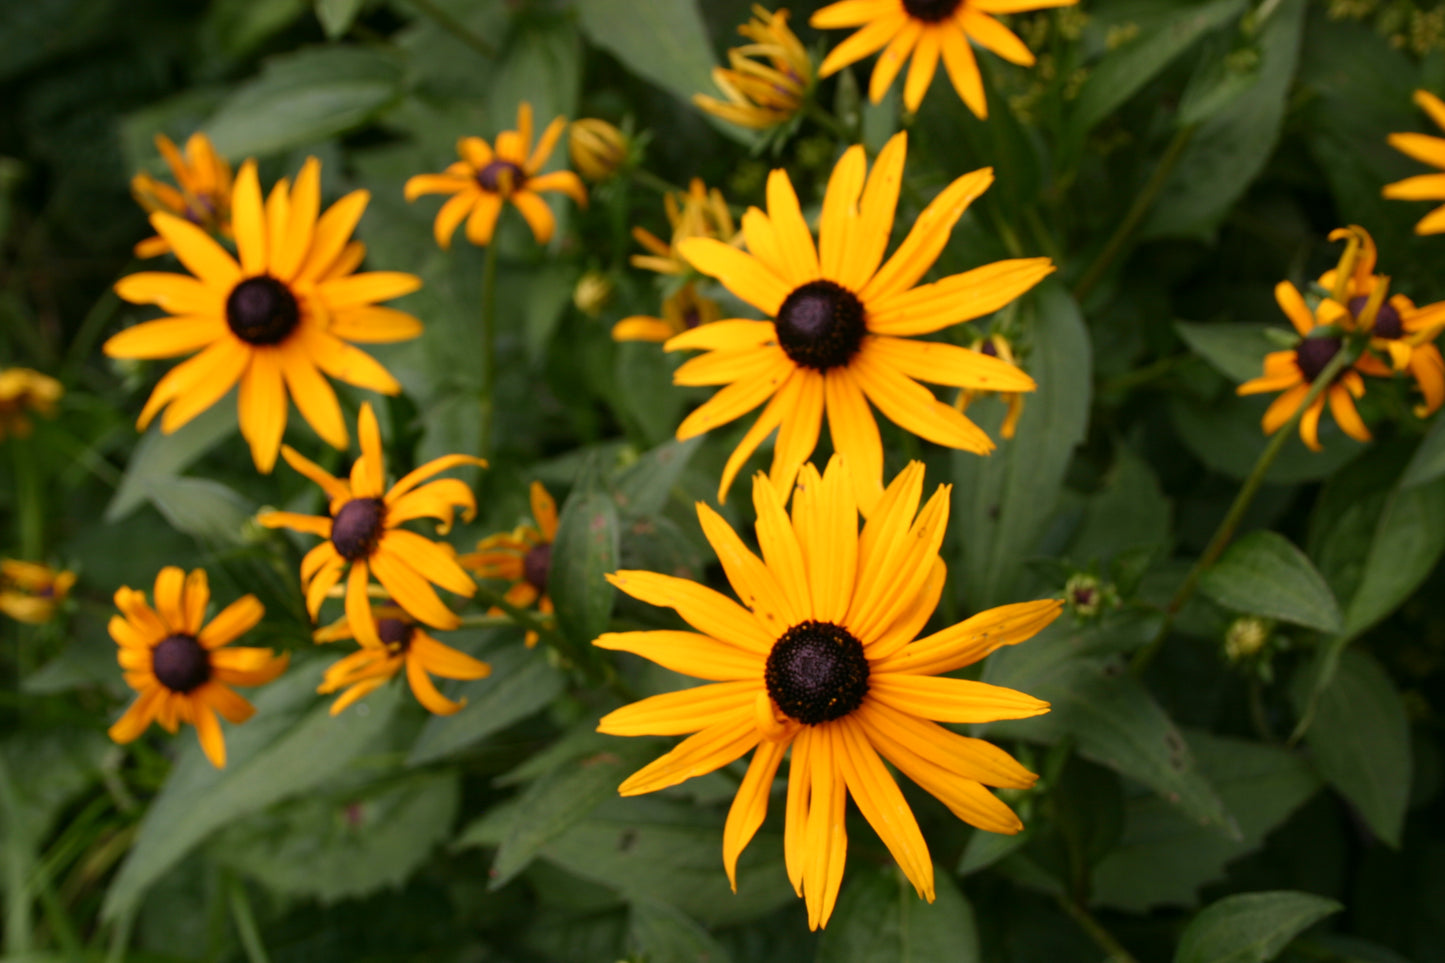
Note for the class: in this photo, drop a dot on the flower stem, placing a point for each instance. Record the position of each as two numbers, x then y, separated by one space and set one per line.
1142 203
489 347
1106 940
454 27
650 180
826 118
30 498
245 922
1225 532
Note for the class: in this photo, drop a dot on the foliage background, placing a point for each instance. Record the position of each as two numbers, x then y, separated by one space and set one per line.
495 835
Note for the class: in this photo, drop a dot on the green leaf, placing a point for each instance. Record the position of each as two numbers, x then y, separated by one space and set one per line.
1112 717
585 550
1164 858
1125 71
203 508
291 747
880 917
1237 350
1360 739
643 489
1251 927
548 295
521 683
1228 151
1409 539
159 458
334 849
1225 434
1129 513
1222 76
1428 462
664 41
1004 500
664 935
336 16
304 97
645 391
1263 573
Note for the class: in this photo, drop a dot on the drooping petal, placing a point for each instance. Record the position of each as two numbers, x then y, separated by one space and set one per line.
750 805
262 407
690 653
683 711
697 755
411 591
710 612
882 804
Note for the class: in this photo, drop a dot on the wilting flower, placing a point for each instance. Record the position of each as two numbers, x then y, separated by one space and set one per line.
1428 150
598 149
769 78
682 311
274 322
179 664
1294 371
363 531
202 194
23 391
826 662
403 643
927 29
995 346
30 592
522 556
1401 335
697 213
484 178
841 335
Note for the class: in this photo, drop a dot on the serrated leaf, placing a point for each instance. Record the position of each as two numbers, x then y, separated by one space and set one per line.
1263 573
585 550
291 746
1360 740
1251 927
522 682
1236 350
880 917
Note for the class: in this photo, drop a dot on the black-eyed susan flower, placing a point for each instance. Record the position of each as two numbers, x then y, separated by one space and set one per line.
928 30
1401 335
522 556
275 322
1292 372
23 392
404 644
201 195
825 660
995 346
841 334
769 79
484 178
30 592
682 310
1427 150
598 149
362 532
697 212
180 664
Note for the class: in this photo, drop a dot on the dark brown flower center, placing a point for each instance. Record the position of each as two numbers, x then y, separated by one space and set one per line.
988 348
262 310
691 318
820 325
180 663
817 672
501 177
356 529
536 564
1388 323
1314 354
931 11
395 633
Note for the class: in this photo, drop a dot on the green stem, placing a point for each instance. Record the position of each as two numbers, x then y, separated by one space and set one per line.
1144 375
30 496
825 118
1096 930
77 353
17 855
245 922
455 27
1142 203
650 180
486 621
1225 532
489 346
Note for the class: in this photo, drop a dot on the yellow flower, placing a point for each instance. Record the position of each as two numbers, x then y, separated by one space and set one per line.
841 338
202 194
1293 371
684 310
698 212
927 29
362 531
30 592
827 663
522 556
403 643
769 78
179 664
25 390
274 322
1428 150
484 178
1400 333
995 346
598 150
592 293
